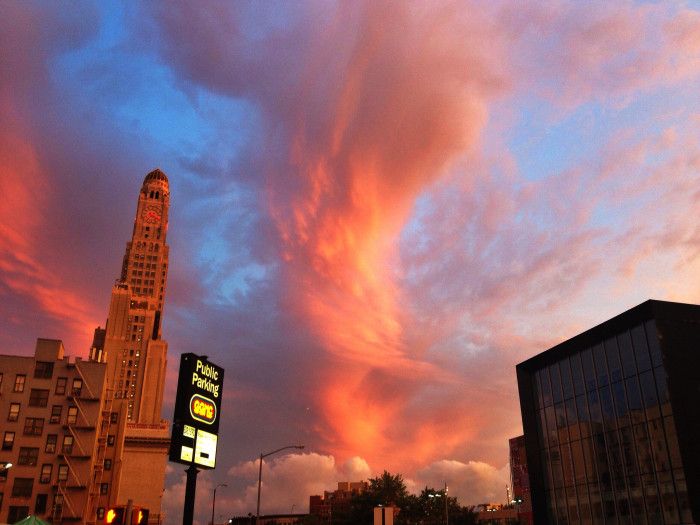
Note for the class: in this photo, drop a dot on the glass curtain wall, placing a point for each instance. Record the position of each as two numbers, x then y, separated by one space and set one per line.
606 435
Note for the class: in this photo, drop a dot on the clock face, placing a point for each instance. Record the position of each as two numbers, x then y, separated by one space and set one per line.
151 214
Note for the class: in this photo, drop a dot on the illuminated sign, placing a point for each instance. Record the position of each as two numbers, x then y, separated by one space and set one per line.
202 409
197 412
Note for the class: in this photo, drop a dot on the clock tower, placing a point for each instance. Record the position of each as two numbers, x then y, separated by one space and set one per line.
134 349
135 353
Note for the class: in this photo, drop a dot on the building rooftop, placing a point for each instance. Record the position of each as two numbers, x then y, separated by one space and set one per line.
156 174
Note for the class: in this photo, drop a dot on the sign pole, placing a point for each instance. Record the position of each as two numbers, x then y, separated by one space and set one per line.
190 489
196 422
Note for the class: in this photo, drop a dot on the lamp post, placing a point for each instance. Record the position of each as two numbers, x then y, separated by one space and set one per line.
257 512
434 495
213 503
447 517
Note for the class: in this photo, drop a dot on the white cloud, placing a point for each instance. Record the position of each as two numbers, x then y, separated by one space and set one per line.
471 483
288 481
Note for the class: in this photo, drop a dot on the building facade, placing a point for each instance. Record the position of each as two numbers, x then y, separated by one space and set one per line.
520 480
335 503
132 346
612 421
58 432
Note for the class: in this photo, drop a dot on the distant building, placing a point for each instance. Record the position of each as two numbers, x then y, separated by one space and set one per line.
86 435
497 514
271 519
612 420
520 481
335 502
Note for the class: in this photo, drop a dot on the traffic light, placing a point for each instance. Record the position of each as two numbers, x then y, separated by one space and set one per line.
139 516
115 516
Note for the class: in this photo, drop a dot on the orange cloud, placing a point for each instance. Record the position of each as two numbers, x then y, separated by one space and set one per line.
22 217
406 101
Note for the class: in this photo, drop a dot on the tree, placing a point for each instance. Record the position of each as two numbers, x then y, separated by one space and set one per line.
385 490
428 508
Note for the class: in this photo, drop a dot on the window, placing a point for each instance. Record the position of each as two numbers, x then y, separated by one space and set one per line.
28 456
33 426
108 464
104 488
38 397
46 470
67 447
8 440
20 379
72 417
110 440
61 386
62 473
40 505
56 414
100 513
22 488
51 440
13 414
43 370
17 513
114 417
77 387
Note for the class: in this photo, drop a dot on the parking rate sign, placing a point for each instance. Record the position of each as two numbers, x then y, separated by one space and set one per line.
197 412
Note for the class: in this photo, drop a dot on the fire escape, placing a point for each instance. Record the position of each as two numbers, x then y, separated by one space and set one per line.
74 489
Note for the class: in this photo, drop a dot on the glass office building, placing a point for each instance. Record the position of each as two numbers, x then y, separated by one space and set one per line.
611 421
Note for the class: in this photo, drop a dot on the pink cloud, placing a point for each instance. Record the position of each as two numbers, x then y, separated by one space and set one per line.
408 262
379 105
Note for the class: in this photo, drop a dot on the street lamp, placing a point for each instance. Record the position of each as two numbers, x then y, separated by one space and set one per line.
213 503
438 495
447 517
257 512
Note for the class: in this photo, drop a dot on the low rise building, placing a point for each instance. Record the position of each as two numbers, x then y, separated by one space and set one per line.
336 502
58 434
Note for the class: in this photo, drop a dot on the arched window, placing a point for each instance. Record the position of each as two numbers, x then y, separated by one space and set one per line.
157 195
151 195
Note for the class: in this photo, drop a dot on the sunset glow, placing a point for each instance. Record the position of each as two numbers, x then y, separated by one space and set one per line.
377 208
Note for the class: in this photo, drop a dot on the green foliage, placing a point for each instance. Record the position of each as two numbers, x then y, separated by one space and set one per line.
428 508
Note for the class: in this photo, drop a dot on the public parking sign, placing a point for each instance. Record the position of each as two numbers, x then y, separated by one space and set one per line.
197 412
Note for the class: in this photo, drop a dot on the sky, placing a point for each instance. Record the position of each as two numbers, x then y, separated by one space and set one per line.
377 209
